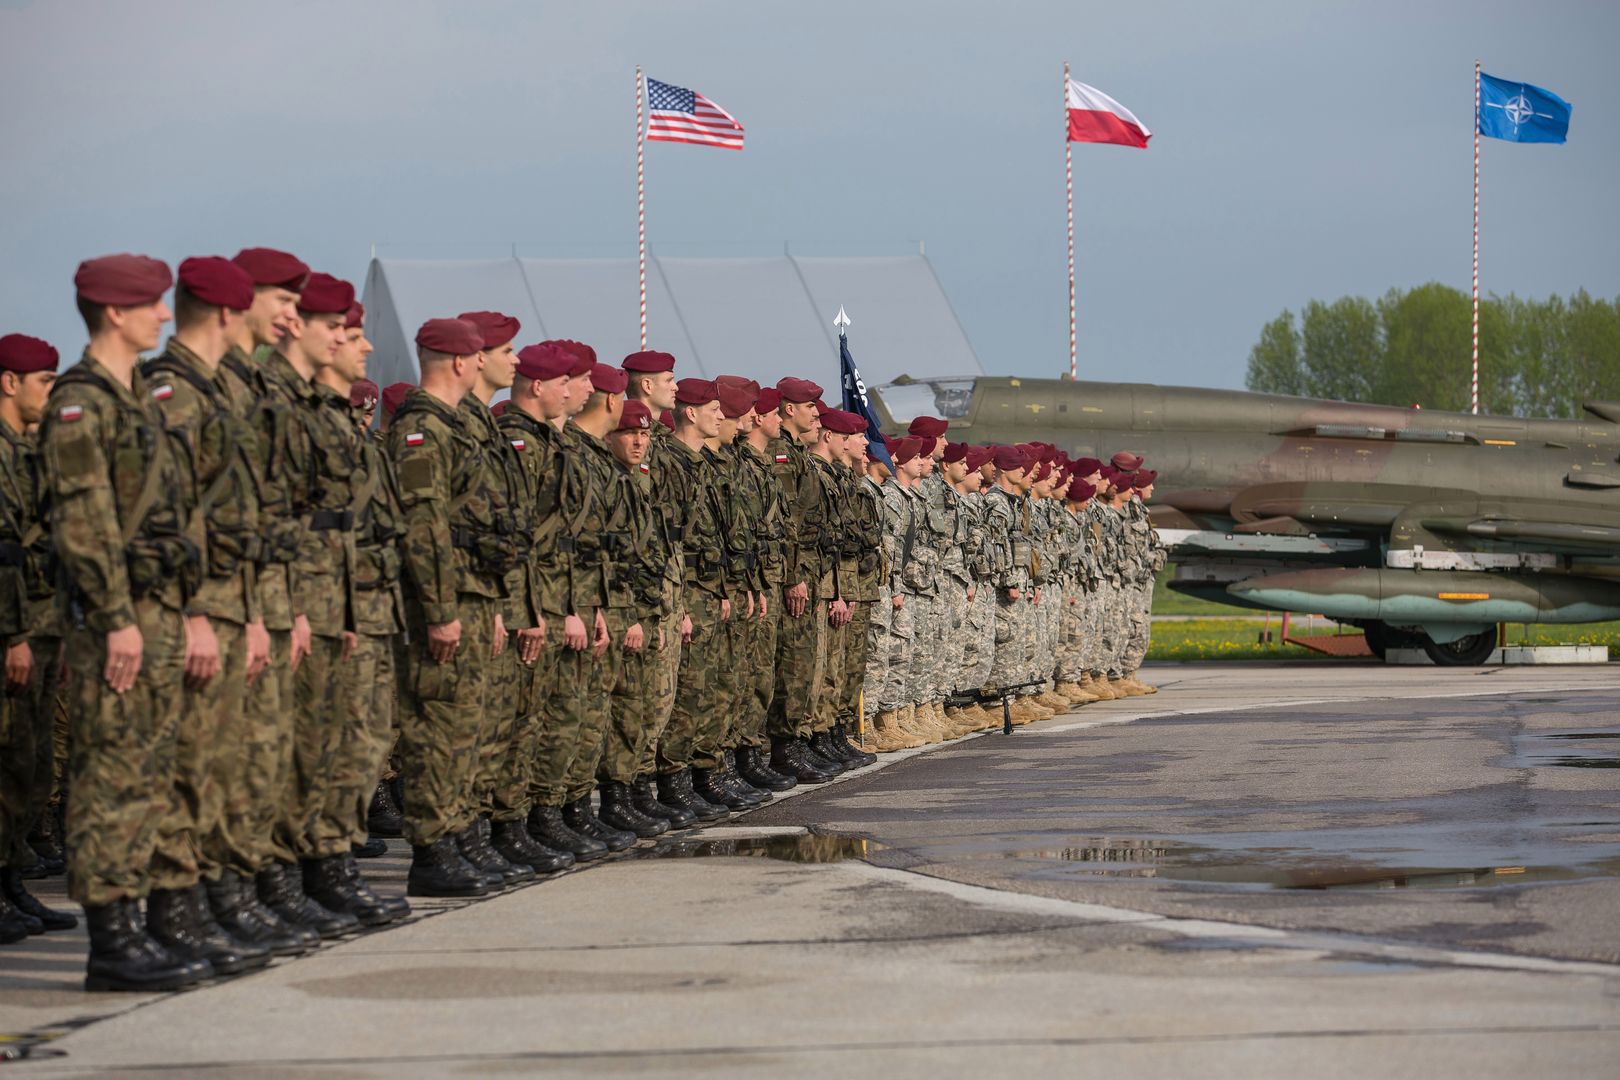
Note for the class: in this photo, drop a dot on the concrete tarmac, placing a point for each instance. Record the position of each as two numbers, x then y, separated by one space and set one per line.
1263 870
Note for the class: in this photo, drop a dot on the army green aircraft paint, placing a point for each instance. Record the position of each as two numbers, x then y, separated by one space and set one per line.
1425 528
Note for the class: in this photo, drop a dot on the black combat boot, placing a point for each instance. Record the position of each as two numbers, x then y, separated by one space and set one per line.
397 906
327 883
752 766
582 819
644 793
12 927
512 839
385 818
437 869
281 887
254 907
11 884
792 757
169 921
46 838
123 956
206 929
822 750
476 849
854 756
546 825
736 781
227 899
618 811
675 789
375 847
707 785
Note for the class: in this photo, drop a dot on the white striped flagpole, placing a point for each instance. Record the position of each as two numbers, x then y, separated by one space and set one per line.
641 203
1473 393
1068 193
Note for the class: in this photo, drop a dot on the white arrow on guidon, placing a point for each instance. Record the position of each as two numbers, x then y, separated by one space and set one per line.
841 320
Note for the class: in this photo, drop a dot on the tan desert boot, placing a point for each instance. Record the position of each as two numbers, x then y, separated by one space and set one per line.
1099 686
891 736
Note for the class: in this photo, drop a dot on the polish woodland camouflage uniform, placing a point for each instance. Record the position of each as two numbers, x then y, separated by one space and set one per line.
705 675
840 549
118 516
636 596
760 499
864 514
801 652
670 502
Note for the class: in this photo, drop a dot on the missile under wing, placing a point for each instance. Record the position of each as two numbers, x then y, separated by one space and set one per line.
1425 528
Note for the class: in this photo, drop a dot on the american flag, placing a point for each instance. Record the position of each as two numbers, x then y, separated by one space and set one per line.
676 114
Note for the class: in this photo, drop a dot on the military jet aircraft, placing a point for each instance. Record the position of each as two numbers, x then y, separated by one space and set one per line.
1424 528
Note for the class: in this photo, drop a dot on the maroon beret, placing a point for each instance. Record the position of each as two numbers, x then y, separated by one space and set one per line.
24 355
363 394
954 452
584 356
544 361
496 329
455 337
798 391
1086 466
122 280
608 380
905 448
843 423
978 457
217 281
356 318
769 400
271 268
1144 478
649 362
695 392
737 394
667 418
636 417
1112 476
1079 490
928 444
928 427
1009 458
393 396
1043 471
324 294
1125 461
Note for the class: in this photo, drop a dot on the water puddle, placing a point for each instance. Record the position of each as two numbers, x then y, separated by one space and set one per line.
799 848
1550 750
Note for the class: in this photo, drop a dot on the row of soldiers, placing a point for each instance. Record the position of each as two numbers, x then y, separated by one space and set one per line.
574 626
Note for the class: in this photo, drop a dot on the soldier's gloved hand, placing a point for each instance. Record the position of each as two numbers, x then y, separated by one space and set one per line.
300 639
19 666
257 640
443 639
498 642
725 610
202 651
574 635
602 639
797 597
124 649
686 629
531 640
350 640
635 638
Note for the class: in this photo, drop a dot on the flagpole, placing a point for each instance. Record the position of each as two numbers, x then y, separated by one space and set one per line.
1068 193
1473 394
641 204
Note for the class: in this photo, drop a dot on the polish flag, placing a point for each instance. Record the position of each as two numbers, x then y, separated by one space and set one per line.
1096 117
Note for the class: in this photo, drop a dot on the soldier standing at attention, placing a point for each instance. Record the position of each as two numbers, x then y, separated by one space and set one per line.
30 630
117 522
209 302
891 646
450 607
862 540
1150 559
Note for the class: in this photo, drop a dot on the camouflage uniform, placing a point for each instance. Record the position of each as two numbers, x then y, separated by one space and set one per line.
947 534
1069 667
455 562
1010 523
670 504
28 613
117 520
703 685
1047 577
538 588
215 727
1112 552
636 596
979 633
757 492
1147 559
864 522
841 549
1096 589
892 631
801 643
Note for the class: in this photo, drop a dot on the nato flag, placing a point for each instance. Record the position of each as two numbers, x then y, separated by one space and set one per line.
855 401
1519 112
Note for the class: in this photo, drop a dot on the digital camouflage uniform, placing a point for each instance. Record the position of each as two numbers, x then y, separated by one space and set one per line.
1009 524
979 634
892 631
1096 584
1147 559
1069 666
921 579
1047 544
215 727
117 519
538 589
1111 619
947 534
28 614
453 562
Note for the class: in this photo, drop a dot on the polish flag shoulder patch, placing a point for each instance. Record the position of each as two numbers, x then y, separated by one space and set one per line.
415 438
163 393
69 413
781 459
519 444
645 469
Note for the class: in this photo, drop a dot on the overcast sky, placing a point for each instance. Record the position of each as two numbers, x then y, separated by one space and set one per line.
1300 149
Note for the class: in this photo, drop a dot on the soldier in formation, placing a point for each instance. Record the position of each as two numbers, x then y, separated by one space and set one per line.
520 635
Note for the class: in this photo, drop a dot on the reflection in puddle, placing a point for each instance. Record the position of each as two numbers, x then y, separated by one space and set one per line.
800 848
1541 750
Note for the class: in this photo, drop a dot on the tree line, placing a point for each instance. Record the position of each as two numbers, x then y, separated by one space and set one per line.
1411 347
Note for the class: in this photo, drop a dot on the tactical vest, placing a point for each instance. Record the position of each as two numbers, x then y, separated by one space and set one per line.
482 524
283 501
